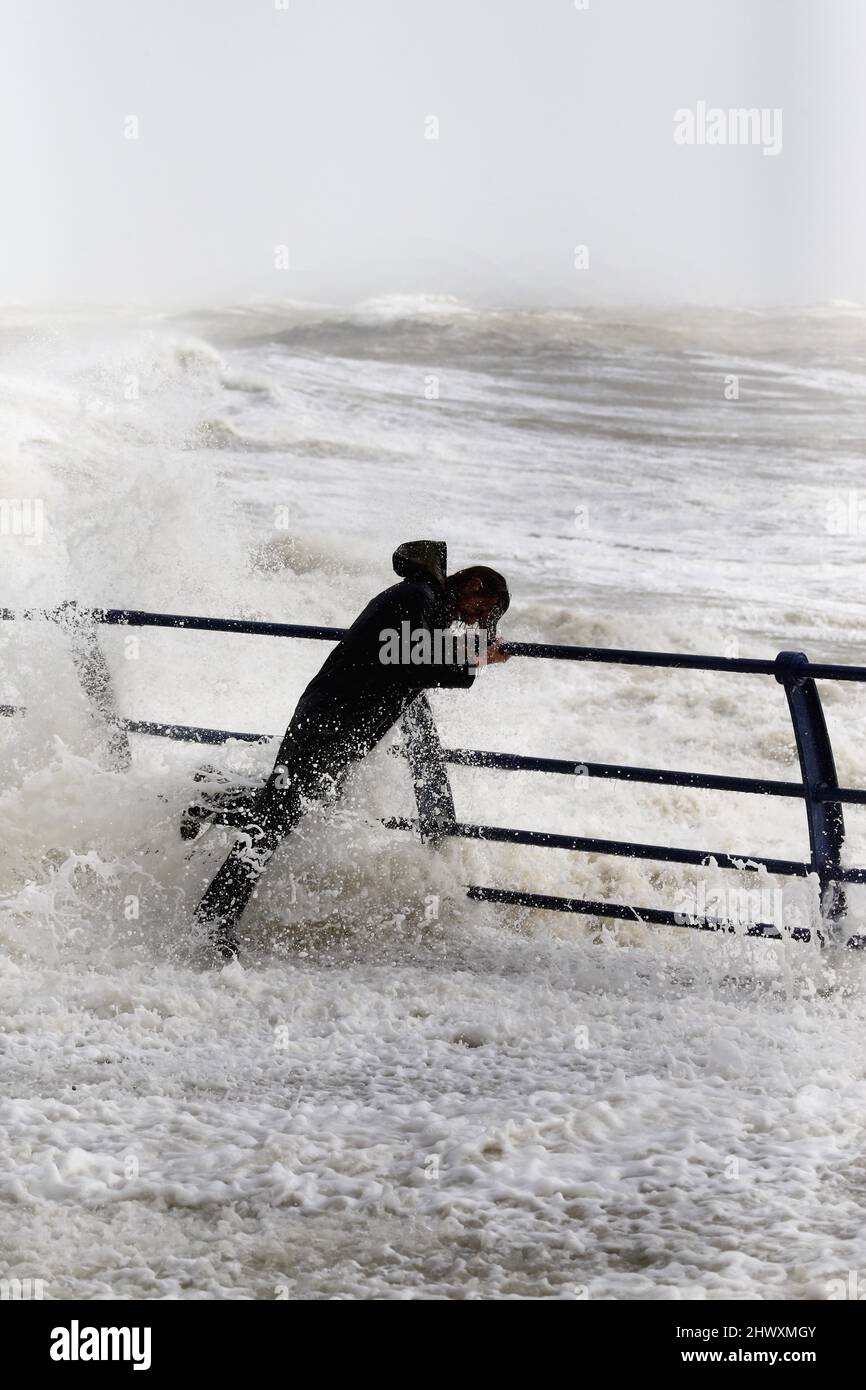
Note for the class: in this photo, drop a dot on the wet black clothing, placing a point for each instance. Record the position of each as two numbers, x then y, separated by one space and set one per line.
343 713
355 691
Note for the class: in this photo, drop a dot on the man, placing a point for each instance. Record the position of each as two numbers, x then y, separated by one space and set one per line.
358 695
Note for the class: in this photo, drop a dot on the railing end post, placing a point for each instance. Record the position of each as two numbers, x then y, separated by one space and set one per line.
818 771
792 668
94 676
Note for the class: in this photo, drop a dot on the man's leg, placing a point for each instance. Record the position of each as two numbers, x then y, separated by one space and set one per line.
302 773
234 884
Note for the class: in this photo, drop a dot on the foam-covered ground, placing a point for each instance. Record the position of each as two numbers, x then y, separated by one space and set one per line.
480 1113
401 1093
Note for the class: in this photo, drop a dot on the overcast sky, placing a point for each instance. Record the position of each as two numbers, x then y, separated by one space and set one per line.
304 126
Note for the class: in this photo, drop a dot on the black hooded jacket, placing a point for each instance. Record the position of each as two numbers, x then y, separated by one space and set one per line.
356 696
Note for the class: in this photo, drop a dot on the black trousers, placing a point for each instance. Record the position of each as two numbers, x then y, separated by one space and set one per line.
311 767
308 770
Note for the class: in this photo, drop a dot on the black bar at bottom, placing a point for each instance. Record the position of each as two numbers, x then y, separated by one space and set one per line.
660 917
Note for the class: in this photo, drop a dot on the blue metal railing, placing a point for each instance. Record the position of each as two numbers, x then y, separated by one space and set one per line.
818 787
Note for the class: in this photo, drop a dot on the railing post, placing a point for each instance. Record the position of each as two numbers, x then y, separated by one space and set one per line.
94 677
436 816
818 769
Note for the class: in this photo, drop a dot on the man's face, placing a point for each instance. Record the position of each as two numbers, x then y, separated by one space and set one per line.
474 606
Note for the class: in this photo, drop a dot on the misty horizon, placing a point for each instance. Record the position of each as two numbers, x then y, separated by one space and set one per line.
504 154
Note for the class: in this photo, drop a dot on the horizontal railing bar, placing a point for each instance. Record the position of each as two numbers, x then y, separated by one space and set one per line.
842 875
476 757
660 917
136 617
188 733
654 915
621 848
185 733
750 666
828 671
855 796
469 757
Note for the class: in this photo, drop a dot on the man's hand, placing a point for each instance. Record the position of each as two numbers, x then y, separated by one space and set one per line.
492 654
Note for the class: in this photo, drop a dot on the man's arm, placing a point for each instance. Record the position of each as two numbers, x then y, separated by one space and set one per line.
411 606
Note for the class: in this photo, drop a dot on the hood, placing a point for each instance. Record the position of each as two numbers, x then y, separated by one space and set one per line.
425 560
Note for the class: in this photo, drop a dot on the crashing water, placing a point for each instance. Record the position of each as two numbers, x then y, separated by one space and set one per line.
402 1093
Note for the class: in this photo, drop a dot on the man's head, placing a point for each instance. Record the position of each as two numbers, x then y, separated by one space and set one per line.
478 595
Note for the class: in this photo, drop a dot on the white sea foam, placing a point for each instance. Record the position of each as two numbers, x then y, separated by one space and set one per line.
402 1093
